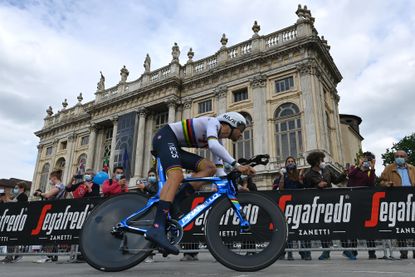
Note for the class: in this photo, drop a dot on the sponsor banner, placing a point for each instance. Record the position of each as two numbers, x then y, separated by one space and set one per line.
350 213
311 215
44 222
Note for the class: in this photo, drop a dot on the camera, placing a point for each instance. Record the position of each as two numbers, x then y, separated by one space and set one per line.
78 176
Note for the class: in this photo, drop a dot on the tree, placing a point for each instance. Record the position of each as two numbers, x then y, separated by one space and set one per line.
407 144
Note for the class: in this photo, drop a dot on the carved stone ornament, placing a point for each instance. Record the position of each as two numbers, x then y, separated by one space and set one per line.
171 102
221 91
256 28
190 55
101 83
307 68
49 111
124 74
224 41
65 103
187 103
175 52
143 112
80 98
147 64
93 127
259 81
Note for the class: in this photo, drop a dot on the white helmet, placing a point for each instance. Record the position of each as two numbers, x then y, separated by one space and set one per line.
234 119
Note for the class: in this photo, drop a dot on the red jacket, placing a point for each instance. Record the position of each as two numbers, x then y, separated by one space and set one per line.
112 188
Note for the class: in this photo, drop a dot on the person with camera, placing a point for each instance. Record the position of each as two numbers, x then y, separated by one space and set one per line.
150 185
361 175
116 185
58 188
83 185
321 177
399 174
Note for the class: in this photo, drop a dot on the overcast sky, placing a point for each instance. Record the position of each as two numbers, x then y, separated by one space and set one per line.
51 50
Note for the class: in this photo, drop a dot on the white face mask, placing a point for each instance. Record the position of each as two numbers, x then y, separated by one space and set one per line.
323 165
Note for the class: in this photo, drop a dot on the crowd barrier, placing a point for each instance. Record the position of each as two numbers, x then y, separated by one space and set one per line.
386 216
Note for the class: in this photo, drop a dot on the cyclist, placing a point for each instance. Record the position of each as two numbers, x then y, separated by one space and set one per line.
202 132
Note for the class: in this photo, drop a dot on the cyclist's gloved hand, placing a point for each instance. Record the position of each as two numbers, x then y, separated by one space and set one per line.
246 169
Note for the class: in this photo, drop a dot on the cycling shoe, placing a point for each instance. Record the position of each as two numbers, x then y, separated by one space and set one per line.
158 236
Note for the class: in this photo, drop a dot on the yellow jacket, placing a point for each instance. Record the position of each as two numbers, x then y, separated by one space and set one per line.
390 173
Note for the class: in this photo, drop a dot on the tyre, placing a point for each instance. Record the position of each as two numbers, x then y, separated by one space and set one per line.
101 249
254 249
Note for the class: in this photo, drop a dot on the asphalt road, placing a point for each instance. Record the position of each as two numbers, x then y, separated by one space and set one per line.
338 266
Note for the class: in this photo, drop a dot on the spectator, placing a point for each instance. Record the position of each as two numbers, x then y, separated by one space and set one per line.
3 196
276 182
19 195
85 188
363 175
116 185
58 188
246 183
55 193
292 178
150 186
399 174
319 176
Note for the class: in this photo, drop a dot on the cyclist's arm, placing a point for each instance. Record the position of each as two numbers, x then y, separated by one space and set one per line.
220 170
214 145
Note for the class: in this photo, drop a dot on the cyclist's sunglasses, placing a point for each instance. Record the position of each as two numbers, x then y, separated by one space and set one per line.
241 127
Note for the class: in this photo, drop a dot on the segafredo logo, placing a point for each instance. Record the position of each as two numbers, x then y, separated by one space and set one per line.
391 212
58 221
316 212
13 222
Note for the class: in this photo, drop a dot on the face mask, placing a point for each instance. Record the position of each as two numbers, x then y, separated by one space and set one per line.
152 179
322 165
87 178
51 183
15 191
118 177
243 177
291 166
400 161
366 164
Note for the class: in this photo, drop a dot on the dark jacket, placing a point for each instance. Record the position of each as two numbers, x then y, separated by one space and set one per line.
312 178
359 178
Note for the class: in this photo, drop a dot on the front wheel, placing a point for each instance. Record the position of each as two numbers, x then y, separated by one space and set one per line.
251 250
108 252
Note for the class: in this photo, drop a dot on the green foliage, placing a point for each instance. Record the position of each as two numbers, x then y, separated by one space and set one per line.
358 156
407 144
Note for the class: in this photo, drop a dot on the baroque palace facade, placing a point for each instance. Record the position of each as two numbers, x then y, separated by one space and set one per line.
284 83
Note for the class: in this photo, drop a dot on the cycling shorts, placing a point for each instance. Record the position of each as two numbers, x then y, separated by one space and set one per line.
172 156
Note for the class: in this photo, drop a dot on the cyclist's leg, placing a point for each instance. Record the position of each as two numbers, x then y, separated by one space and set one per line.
166 146
200 166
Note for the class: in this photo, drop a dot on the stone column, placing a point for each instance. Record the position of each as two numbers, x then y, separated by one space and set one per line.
69 159
259 116
91 146
113 141
171 103
310 110
37 170
139 154
187 108
221 94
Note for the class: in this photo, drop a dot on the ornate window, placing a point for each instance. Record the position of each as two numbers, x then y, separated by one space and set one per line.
284 84
288 135
84 140
60 164
240 95
81 164
205 106
44 177
161 120
244 147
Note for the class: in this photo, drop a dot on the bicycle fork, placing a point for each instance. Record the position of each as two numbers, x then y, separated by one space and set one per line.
245 226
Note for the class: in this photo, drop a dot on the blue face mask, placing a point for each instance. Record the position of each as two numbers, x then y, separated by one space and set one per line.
291 166
118 177
15 191
400 161
152 179
366 164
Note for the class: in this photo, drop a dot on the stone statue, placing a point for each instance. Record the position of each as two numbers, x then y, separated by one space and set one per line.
124 74
175 52
147 64
49 111
101 83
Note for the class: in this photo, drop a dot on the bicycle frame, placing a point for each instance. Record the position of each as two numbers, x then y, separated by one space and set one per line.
223 188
